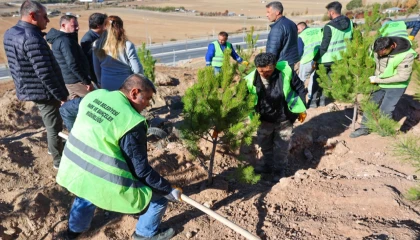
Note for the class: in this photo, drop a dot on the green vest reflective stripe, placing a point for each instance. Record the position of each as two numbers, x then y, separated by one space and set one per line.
391 70
337 43
311 38
217 60
294 103
394 29
92 166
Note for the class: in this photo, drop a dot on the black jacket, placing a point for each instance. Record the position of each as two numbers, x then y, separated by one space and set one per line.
272 105
73 62
35 71
341 23
282 41
86 44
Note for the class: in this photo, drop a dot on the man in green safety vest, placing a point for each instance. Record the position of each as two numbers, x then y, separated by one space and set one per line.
335 34
399 28
105 162
394 59
214 55
280 100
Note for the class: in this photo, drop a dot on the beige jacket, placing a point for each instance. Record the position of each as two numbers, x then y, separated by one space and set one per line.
404 69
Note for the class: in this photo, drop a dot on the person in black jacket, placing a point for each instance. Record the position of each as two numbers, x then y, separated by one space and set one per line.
277 120
70 56
282 40
35 71
96 28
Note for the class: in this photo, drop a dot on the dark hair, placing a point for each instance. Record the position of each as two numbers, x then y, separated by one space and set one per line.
265 59
276 6
335 6
382 43
139 81
29 6
66 18
302 23
224 34
96 19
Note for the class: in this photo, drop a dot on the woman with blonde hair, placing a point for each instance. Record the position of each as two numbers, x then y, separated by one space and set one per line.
114 57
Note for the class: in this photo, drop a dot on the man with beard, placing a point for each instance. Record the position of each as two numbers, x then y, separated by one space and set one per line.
73 63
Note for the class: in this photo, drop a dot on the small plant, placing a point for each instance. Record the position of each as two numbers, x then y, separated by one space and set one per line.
172 39
377 121
147 61
246 175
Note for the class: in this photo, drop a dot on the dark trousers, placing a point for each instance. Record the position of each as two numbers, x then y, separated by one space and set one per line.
317 95
54 124
387 99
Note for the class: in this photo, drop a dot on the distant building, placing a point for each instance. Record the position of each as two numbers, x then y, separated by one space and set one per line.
231 14
394 10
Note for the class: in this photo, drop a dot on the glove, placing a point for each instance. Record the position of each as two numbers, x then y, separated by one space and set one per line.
372 79
411 37
302 117
175 195
245 63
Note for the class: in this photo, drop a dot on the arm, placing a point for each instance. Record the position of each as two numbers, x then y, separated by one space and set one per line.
135 64
415 25
210 54
42 60
96 64
274 41
72 55
404 70
301 46
134 148
326 39
235 56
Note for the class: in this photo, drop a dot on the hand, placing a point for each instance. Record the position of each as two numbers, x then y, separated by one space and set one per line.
302 117
372 79
63 101
175 195
245 63
90 87
411 37
313 65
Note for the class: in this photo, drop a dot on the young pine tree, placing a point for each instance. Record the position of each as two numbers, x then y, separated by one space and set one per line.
246 54
349 81
216 109
147 61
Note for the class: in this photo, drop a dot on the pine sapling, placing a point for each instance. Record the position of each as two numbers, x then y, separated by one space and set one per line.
216 109
147 61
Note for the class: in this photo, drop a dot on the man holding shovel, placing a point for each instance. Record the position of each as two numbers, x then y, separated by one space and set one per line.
105 162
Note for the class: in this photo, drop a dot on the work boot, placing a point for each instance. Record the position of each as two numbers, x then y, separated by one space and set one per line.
312 101
262 169
359 132
161 235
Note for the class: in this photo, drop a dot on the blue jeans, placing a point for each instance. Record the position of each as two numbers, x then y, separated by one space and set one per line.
82 212
68 112
217 70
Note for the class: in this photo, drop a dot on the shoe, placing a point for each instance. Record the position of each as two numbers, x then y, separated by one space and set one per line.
56 165
279 175
71 235
262 169
161 235
359 132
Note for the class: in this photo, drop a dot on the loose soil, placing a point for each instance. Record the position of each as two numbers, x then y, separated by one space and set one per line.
337 187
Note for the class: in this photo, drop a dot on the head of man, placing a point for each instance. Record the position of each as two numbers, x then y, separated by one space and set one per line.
138 90
69 24
274 11
223 37
96 22
334 9
34 13
384 46
266 64
301 26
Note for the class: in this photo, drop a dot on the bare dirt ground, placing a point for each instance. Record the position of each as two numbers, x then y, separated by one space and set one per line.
348 189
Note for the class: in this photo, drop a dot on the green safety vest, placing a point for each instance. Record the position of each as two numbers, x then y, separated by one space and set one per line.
391 70
311 38
294 103
337 43
217 60
92 166
394 29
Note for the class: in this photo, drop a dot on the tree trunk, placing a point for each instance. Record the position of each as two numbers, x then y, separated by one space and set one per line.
354 119
213 152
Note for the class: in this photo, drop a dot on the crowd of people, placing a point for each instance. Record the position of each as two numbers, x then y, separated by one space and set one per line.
104 162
